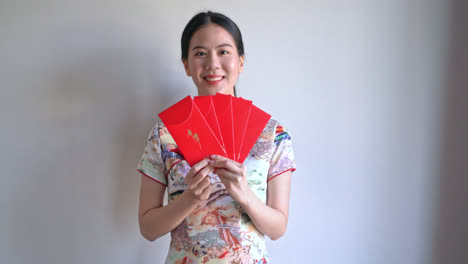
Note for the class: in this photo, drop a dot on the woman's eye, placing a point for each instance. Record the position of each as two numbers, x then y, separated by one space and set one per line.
201 53
224 52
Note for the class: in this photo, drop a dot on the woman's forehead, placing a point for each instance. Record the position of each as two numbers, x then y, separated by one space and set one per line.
211 36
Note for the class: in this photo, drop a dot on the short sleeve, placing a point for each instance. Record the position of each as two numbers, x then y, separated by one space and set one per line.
282 159
151 163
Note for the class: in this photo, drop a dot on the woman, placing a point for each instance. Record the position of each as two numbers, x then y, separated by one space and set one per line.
224 221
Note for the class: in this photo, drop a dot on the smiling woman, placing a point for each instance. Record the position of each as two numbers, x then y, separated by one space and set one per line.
213 53
213 61
224 221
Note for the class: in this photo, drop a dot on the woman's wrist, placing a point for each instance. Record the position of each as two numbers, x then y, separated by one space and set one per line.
189 199
249 200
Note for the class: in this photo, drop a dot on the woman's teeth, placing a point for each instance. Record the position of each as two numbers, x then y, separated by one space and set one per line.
214 79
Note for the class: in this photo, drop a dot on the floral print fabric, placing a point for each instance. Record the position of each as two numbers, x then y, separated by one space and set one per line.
218 230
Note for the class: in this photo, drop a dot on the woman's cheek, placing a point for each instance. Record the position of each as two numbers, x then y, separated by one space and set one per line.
198 64
230 63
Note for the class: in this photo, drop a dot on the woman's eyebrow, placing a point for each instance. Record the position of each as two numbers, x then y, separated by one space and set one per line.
219 46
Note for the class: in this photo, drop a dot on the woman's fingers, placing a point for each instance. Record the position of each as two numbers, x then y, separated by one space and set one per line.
198 180
197 167
205 183
207 190
233 175
197 189
223 162
226 173
201 174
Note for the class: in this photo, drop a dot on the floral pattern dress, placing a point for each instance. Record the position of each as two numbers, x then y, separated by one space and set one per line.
218 230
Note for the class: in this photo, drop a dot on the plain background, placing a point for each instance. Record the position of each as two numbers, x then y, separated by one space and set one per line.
374 94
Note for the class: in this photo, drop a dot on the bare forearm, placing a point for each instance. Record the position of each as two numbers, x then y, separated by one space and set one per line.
159 221
270 221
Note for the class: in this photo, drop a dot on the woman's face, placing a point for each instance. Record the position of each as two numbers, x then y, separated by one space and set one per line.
213 60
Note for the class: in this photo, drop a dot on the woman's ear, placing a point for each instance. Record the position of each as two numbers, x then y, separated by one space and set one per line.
241 63
187 70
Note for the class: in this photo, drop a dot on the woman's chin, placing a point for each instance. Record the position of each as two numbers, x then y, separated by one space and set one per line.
214 90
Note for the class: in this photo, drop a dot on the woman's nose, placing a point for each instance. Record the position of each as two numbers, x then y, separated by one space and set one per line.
212 62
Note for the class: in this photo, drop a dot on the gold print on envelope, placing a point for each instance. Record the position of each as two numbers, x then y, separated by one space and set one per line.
194 136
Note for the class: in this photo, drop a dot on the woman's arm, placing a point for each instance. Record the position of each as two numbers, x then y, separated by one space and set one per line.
156 220
270 218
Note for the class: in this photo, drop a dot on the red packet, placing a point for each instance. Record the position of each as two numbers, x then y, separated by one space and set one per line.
206 107
255 125
240 114
190 131
223 107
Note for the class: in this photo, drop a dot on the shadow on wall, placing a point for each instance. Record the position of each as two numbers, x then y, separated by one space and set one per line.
451 233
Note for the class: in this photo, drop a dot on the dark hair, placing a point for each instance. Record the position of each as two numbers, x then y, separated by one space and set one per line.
205 18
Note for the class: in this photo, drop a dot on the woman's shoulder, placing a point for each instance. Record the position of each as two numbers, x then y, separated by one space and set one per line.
160 132
274 128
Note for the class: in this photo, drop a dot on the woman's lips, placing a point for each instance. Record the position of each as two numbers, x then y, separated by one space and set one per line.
213 79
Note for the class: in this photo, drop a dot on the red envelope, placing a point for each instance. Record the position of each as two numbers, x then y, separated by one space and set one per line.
240 114
255 125
223 108
206 107
188 127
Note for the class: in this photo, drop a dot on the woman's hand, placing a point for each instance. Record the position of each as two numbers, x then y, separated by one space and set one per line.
272 218
199 183
234 177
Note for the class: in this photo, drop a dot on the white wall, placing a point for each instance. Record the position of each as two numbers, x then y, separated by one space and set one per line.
360 84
